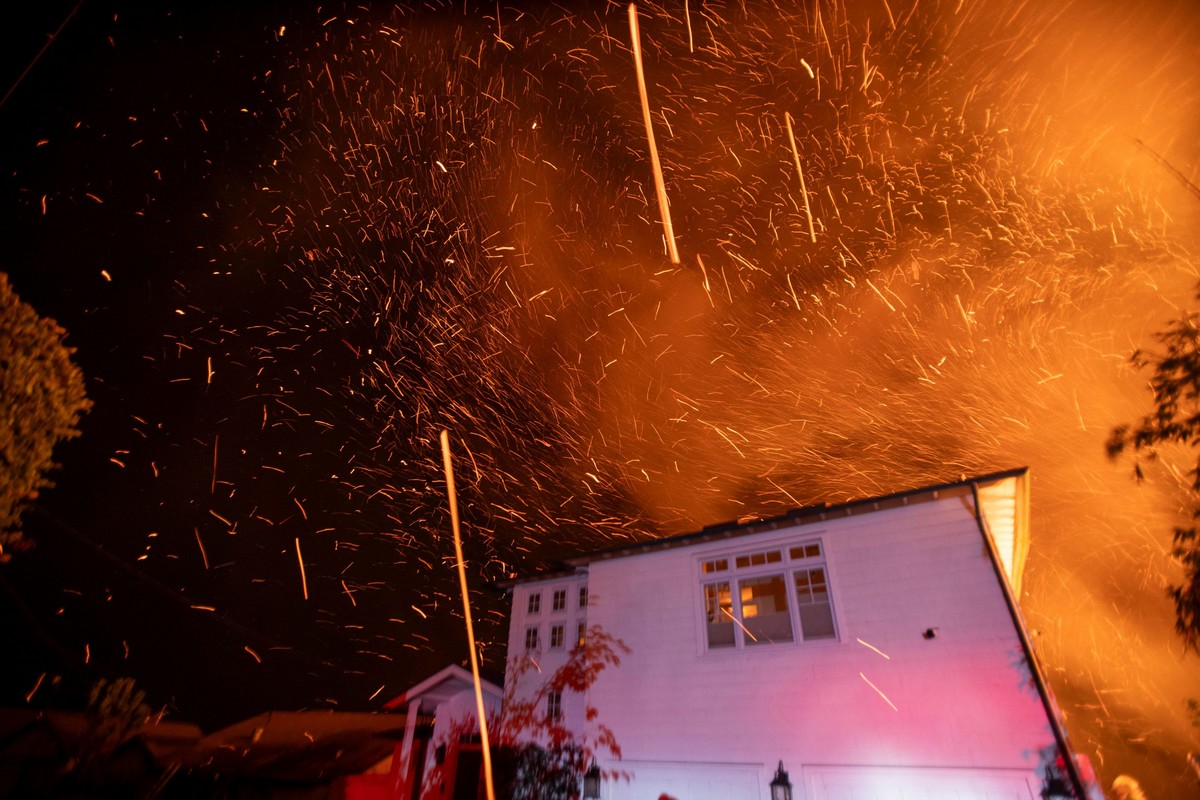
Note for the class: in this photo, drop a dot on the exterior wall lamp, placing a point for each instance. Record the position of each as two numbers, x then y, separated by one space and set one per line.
781 787
591 783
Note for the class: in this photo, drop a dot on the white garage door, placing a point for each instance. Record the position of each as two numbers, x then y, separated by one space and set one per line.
886 783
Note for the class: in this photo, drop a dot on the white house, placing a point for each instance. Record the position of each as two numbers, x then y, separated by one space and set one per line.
875 648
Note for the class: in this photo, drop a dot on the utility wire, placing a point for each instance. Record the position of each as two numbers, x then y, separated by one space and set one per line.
45 47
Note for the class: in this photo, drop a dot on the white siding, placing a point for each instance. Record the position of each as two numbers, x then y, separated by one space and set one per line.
545 658
960 699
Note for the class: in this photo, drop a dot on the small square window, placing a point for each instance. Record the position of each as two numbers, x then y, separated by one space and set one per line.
554 706
805 551
531 639
583 596
535 602
560 600
556 637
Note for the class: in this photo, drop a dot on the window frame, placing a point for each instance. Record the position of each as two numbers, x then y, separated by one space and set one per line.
558 600
554 709
714 568
534 603
558 630
532 638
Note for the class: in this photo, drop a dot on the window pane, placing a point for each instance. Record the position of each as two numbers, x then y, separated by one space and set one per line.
718 609
535 602
560 599
556 636
805 551
764 610
816 613
758 559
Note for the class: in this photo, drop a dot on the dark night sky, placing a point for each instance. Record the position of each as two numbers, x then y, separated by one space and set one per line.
139 126
292 244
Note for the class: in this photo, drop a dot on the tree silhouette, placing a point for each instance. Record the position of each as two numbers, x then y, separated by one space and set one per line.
41 400
1174 367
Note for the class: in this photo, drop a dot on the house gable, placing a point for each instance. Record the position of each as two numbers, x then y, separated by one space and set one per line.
918 665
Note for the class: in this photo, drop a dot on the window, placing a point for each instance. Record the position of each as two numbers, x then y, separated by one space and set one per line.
581 635
531 639
765 617
554 706
560 600
556 637
535 602
718 609
768 597
758 559
812 597
583 597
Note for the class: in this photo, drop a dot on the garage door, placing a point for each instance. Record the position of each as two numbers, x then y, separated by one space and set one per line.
890 783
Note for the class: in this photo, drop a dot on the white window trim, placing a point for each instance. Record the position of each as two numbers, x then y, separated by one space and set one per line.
787 566
555 595
536 630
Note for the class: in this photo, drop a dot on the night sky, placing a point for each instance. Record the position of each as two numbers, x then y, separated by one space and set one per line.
291 245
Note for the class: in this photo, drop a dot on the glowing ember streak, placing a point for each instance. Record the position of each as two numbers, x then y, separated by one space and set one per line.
462 582
873 647
253 654
812 233
877 691
303 577
33 691
203 554
659 185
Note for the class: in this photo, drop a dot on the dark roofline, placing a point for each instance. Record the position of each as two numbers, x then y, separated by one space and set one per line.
732 529
1061 739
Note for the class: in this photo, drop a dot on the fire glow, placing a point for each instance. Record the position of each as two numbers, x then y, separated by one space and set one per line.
914 242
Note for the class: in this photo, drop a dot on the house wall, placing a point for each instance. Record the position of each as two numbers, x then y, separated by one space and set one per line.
545 660
882 695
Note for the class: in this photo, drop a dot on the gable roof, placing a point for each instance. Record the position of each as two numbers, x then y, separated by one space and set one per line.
441 686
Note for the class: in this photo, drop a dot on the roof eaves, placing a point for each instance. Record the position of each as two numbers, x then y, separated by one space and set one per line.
799 516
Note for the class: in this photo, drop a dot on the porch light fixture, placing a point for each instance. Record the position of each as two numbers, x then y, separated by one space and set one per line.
781 787
591 783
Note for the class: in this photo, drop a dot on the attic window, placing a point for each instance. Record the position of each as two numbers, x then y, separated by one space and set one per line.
758 559
805 551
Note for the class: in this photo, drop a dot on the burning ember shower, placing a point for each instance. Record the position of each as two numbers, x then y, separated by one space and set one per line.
942 270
